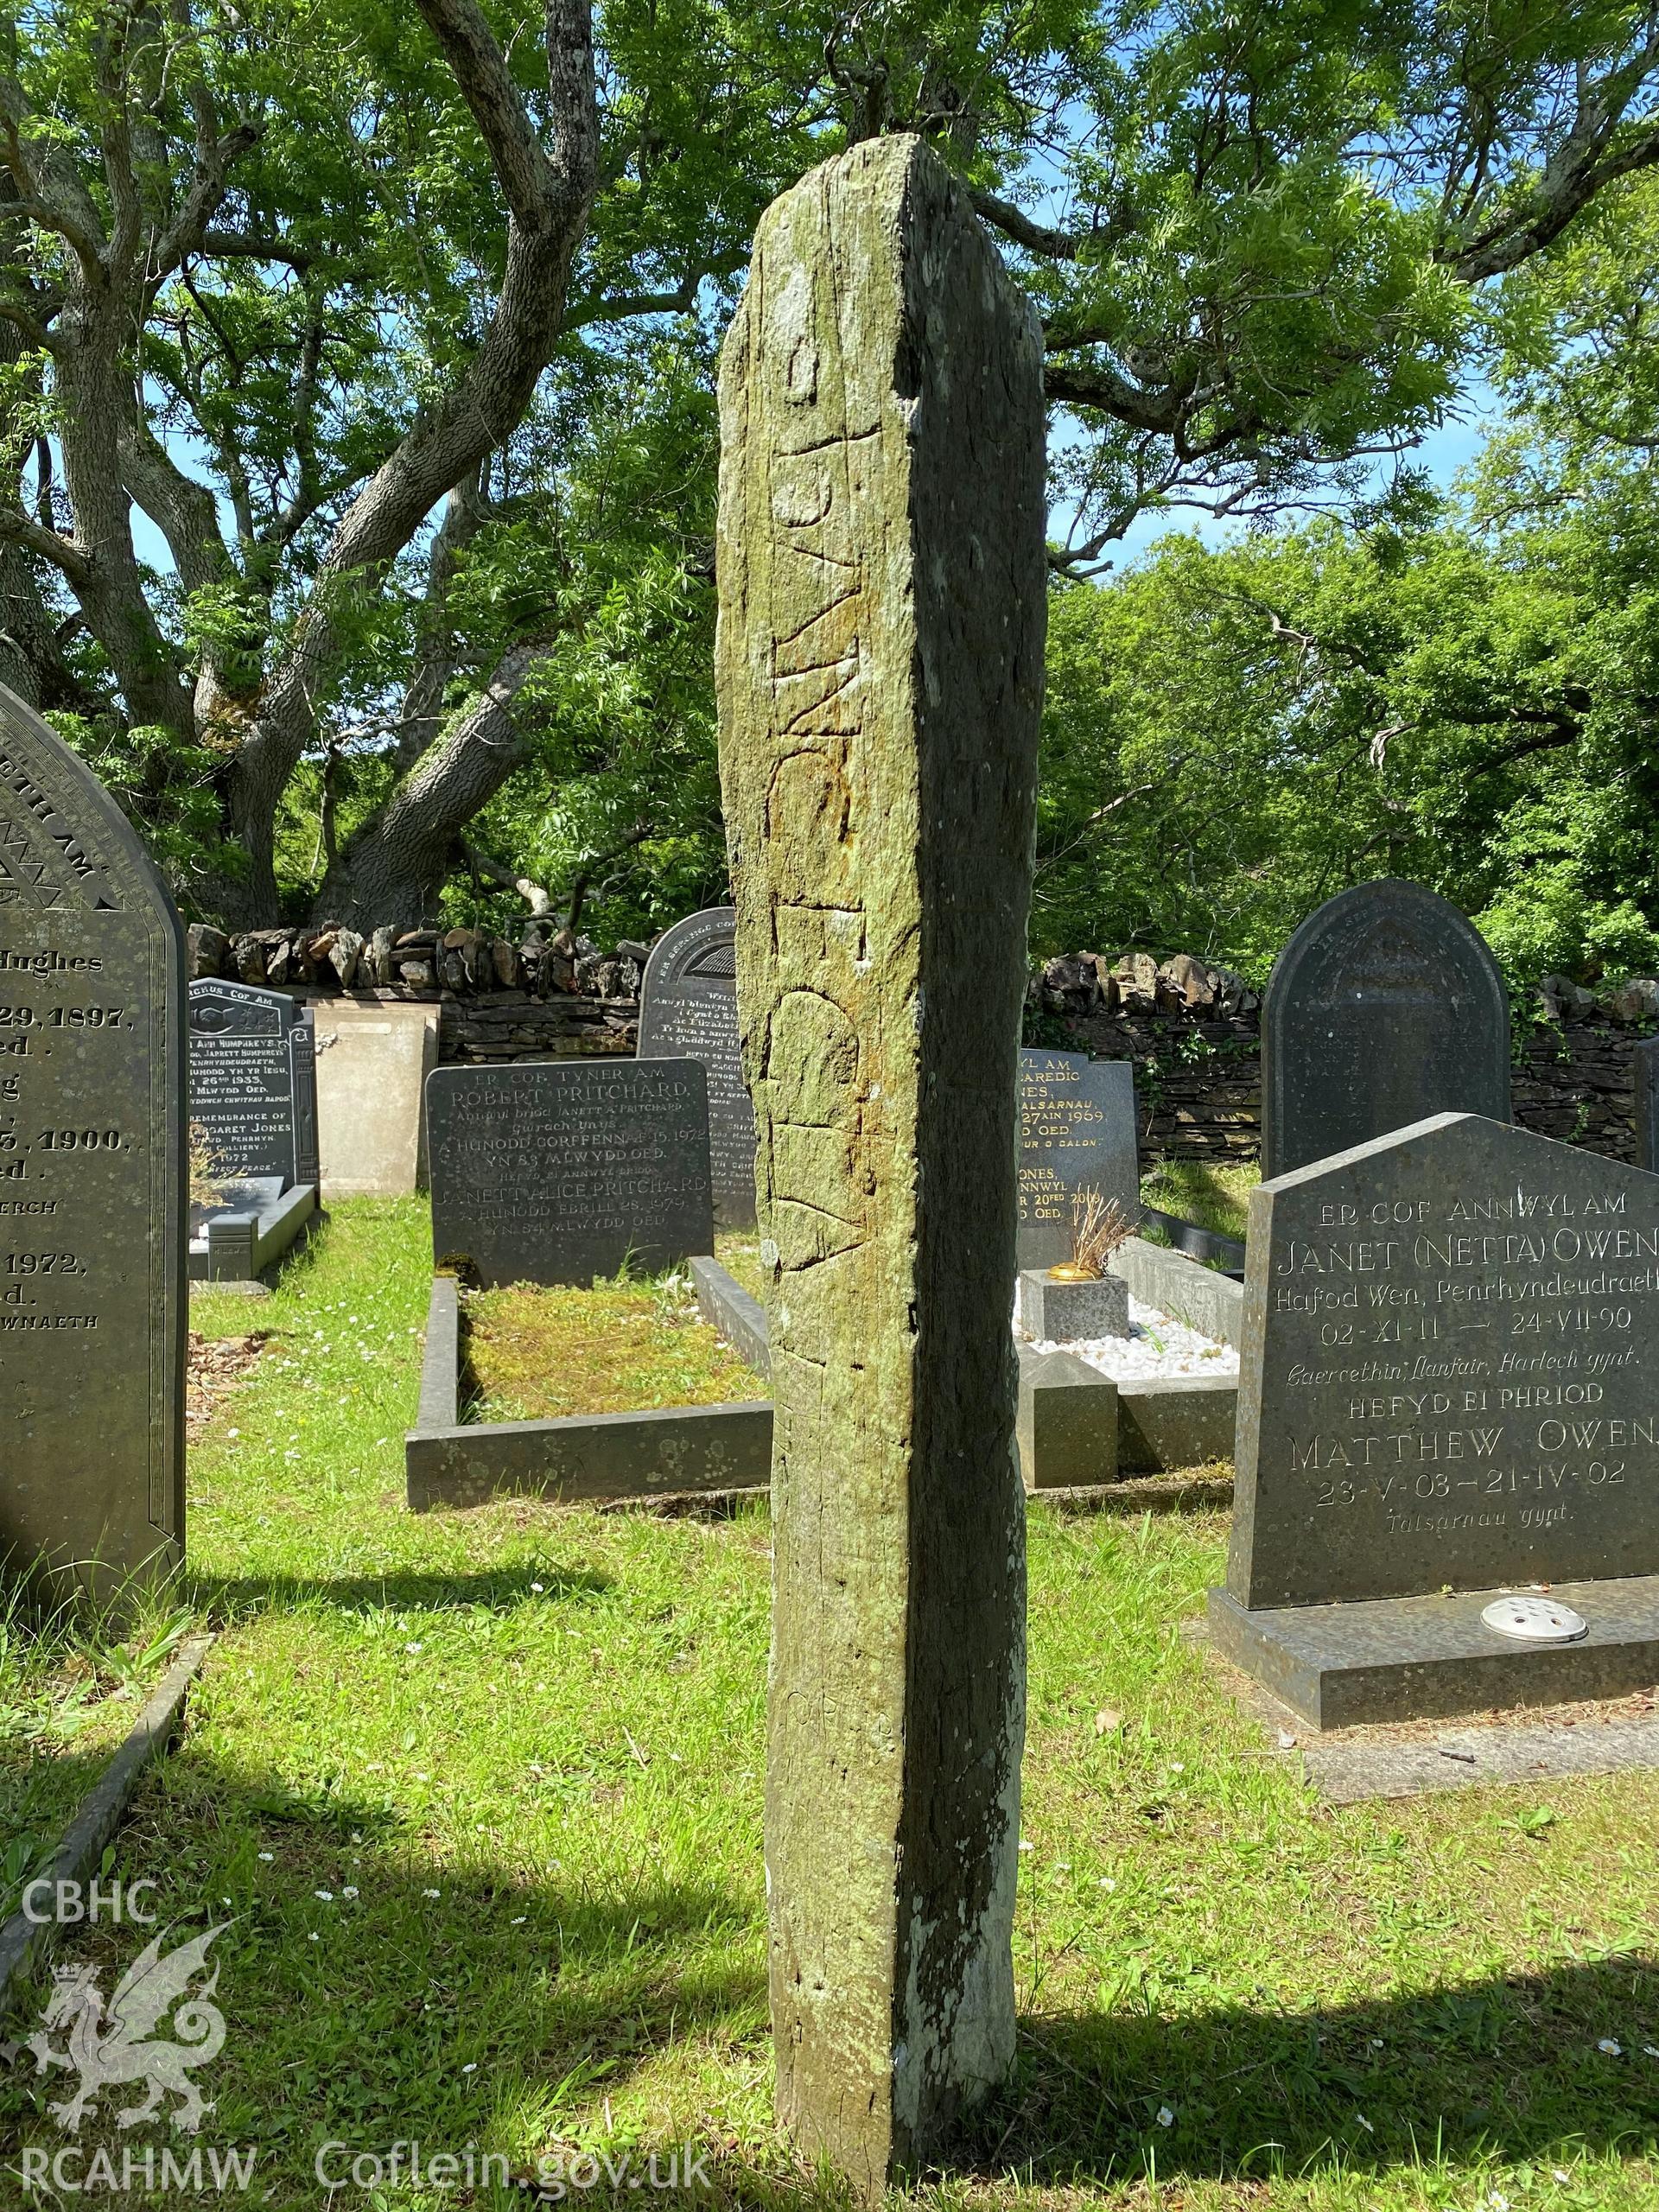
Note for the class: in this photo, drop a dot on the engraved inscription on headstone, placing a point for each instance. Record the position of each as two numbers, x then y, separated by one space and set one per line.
1077 1132
688 1009
253 1081
91 1174
1384 1008
1449 1370
563 1172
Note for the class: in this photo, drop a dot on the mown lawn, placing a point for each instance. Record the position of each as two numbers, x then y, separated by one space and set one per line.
480 1795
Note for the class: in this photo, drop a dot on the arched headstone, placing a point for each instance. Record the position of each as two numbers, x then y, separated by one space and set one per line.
92 1175
253 1080
1384 1008
688 1010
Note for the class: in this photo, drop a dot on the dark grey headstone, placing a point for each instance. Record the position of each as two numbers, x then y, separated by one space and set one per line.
1647 1104
253 1080
563 1172
688 1010
91 1174
1077 1132
1384 1008
1451 1336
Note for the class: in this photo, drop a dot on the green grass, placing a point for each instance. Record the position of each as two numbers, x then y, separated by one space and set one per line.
739 1253
1211 1196
72 1683
529 1740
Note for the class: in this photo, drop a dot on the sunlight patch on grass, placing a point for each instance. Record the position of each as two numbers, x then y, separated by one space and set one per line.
738 1251
1207 1194
539 1352
520 1752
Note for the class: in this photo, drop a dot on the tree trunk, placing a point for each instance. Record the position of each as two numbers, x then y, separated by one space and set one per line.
392 870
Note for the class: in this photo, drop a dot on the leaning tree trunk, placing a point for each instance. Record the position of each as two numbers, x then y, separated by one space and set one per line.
393 869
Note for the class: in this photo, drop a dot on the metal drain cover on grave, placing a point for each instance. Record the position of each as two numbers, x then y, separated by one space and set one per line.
1535 1620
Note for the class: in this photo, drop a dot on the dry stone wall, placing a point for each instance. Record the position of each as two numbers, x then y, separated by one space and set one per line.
545 997
1191 1029
1194 1032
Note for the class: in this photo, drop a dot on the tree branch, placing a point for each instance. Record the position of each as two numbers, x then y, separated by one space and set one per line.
549 196
1015 224
17 528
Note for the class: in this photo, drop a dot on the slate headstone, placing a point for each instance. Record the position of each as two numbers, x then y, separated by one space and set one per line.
880 666
1646 1072
1077 1132
92 1297
1451 1336
688 1010
253 1081
556 1174
1384 1008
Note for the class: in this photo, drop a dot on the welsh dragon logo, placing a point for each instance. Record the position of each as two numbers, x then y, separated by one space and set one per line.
110 2049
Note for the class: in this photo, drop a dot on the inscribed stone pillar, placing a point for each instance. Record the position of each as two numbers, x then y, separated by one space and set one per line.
92 1298
879 664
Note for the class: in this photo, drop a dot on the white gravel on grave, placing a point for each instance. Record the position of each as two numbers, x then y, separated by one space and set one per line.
1154 1346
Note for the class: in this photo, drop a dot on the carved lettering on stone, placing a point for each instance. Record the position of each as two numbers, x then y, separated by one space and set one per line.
880 658
92 1175
1450 1340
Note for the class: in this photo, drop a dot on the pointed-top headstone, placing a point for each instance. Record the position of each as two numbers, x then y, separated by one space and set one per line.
1445 1394
1384 1008
92 1175
879 661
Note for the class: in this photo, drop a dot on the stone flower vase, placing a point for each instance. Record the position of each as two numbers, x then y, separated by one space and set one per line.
1060 1308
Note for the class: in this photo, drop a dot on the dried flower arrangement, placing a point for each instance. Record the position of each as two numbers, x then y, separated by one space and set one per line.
1098 1226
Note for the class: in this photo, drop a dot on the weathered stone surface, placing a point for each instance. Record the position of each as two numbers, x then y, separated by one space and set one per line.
253 1080
372 1063
1213 1304
1070 1312
560 1174
1077 1132
92 1297
879 659
1450 1336
1384 1008
206 948
1066 1424
1175 1421
597 1457
688 1010
731 1313
1646 1062
256 1224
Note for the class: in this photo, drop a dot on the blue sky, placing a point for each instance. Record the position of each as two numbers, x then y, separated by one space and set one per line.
1445 453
